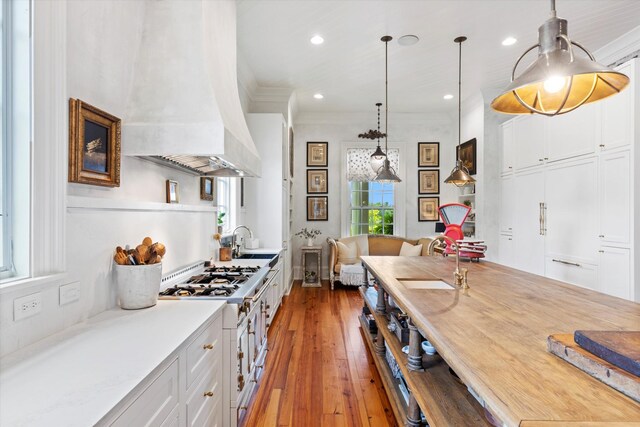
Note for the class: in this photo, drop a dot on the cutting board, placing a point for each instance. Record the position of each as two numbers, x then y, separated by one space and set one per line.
620 348
564 346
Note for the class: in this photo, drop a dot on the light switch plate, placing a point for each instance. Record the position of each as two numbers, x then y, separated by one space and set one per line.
69 293
27 306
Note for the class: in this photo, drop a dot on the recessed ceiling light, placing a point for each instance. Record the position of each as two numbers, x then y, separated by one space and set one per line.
408 40
318 96
316 40
509 41
447 96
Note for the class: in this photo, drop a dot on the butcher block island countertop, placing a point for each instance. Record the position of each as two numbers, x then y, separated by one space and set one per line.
494 336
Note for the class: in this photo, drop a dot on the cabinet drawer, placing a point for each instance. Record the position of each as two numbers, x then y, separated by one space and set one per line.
201 351
204 407
573 272
156 402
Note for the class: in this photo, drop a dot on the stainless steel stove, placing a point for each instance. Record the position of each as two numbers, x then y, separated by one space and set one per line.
216 282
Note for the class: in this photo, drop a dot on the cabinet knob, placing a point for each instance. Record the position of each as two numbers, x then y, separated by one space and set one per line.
540 160
207 346
601 145
601 251
601 236
510 238
208 394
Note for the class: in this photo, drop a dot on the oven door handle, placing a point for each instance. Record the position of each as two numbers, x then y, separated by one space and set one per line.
264 288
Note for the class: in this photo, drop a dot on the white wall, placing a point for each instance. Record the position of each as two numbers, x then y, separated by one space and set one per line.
336 128
99 64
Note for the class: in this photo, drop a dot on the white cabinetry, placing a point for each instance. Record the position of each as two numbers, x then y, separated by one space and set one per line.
614 274
268 206
616 197
528 140
569 199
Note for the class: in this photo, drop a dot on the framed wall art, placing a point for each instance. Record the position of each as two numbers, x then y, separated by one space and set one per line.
428 181
94 145
172 192
317 154
207 188
317 181
428 154
428 208
317 208
467 153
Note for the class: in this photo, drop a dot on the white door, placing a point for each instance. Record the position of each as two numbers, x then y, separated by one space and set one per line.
507 204
506 250
528 140
614 275
617 115
507 147
573 134
528 236
615 197
571 219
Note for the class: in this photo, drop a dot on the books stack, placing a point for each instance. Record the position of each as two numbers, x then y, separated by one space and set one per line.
476 247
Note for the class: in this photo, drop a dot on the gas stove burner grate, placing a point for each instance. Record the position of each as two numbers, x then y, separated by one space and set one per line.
200 291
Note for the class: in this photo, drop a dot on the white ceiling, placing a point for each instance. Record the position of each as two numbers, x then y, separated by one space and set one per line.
348 69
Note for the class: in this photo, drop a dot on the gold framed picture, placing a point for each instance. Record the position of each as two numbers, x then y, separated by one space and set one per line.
317 208
428 181
94 145
317 154
428 154
428 208
172 192
317 181
207 188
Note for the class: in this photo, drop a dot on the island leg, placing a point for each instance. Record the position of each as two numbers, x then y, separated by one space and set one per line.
379 346
381 307
415 348
413 413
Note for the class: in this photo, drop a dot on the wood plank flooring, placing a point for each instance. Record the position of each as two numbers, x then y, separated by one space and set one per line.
318 369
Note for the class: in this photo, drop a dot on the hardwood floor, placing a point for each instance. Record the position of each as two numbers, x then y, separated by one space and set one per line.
318 369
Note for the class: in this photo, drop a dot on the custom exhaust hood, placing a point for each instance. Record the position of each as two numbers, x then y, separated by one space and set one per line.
184 108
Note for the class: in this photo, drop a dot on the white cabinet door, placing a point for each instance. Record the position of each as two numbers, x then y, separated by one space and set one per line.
614 275
572 211
507 204
527 237
615 197
507 147
506 250
617 115
573 134
529 140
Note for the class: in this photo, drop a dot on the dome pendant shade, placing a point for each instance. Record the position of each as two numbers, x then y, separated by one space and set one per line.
386 173
558 81
378 154
460 176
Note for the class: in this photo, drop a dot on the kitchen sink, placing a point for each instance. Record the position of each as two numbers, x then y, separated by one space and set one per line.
256 256
425 284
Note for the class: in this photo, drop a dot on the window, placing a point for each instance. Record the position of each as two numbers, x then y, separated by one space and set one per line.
372 208
15 132
226 200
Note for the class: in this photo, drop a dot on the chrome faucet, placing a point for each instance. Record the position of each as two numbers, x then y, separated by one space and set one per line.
235 253
459 276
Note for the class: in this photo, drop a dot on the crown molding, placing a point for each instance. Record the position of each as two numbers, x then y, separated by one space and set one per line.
368 119
619 48
272 94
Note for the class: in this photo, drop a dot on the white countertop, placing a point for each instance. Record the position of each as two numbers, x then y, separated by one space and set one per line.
262 251
74 378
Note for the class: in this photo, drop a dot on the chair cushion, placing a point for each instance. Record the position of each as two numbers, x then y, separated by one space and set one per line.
347 253
408 249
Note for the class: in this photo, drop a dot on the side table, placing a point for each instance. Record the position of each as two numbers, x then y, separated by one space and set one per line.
311 281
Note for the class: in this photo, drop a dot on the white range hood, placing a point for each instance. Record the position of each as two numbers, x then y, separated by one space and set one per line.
184 98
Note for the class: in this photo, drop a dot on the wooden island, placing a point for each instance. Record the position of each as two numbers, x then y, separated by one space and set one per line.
494 336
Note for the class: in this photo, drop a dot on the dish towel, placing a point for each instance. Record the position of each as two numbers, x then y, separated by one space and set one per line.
352 274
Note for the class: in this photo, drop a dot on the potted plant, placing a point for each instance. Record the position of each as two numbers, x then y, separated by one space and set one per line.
310 235
221 221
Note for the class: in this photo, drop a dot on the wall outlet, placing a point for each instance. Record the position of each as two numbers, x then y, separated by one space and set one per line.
69 293
27 306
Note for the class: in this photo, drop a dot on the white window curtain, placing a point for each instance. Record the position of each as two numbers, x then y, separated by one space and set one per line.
359 163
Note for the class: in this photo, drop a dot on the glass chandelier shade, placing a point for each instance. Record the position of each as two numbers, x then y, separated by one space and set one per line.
558 81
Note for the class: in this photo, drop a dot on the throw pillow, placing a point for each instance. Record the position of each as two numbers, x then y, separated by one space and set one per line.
408 249
347 253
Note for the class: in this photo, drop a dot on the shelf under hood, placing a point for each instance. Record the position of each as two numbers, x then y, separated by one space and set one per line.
199 165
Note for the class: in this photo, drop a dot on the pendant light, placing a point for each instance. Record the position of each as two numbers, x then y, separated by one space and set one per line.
386 172
558 81
378 156
460 174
